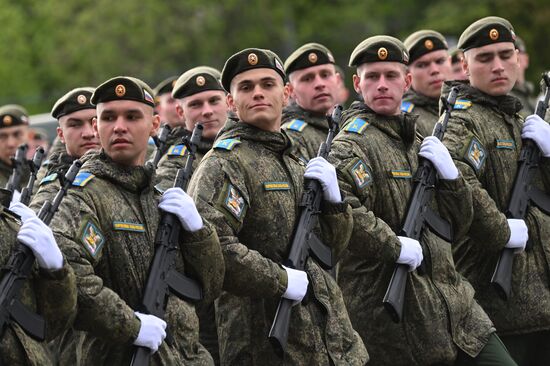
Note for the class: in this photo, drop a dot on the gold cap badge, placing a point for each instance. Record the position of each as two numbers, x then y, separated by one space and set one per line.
7 120
493 34
81 99
312 57
252 59
120 90
428 44
200 80
382 53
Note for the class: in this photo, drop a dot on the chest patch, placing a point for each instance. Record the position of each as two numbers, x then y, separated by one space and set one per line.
476 154
177 150
462 104
401 174
505 144
234 202
128 226
92 238
276 186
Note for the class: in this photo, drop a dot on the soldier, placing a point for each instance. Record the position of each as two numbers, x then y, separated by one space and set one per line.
106 227
314 86
14 121
430 66
74 112
200 98
249 185
50 291
485 136
523 89
166 104
375 155
457 72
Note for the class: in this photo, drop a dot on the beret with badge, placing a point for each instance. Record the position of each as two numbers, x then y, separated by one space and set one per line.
486 31
308 55
165 86
123 88
197 80
248 59
379 49
423 42
75 100
13 115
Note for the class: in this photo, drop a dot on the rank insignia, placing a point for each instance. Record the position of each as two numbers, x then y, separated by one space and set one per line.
92 238
357 126
475 154
505 144
49 178
227 144
407 107
401 174
234 202
276 186
296 125
82 179
462 104
361 174
128 226
177 150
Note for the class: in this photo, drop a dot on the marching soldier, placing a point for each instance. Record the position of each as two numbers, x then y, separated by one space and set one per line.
523 89
14 121
166 103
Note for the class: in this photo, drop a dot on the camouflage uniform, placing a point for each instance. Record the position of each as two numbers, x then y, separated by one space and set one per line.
524 92
106 228
52 294
5 172
375 157
305 129
425 107
484 138
242 186
57 148
48 186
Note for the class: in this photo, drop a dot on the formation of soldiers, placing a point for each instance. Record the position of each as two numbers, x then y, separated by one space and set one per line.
262 124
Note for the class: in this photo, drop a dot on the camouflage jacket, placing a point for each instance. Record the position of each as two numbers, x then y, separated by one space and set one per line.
484 138
5 173
425 107
525 95
249 186
53 174
376 157
106 227
305 129
51 294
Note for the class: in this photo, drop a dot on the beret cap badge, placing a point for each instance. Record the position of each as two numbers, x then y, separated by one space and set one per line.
382 53
312 57
81 99
120 90
7 120
493 34
428 44
200 80
252 59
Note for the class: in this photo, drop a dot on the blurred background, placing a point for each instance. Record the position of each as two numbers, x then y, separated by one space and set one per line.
49 47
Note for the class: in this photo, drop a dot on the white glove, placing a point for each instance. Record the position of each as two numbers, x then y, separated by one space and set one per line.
537 130
297 284
151 332
16 197
323 171
38 237
411 252
176 201
434 150
518 235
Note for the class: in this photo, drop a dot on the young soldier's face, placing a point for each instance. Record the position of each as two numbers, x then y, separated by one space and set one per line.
258 97
493 68
10 139
77 133
167 110
124 128
382 85
429 72
315 88
207 107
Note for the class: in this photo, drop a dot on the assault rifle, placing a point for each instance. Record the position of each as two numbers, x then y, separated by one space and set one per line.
523 194
160 142
26 193
419 215
304 242
18 162
163 279
20 265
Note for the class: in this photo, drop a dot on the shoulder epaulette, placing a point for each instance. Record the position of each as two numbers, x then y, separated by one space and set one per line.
82 178
462 104
227 144
49 178
295 125
357 125
407 107
177 150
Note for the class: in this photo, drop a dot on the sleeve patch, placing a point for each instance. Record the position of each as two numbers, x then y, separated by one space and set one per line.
92 238
82 179
475 154
295 125
462 104
407 107
357 125
128 226
177 150
49 178
233 202
361 174
227 144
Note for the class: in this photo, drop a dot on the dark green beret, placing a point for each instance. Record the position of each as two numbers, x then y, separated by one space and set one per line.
13 115
75 100
196 80
310 54
377 49
520 45
456 55
165 86
424 41
248 59
486 31
123 88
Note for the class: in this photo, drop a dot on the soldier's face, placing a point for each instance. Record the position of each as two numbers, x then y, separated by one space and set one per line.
167 110
315 88
209 108
77 133
493 68
382 85
10 138
429 72
258 97
124 128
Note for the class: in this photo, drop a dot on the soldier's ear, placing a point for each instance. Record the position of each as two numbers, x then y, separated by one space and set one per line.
179 110
231 103
60 134
94 125
287 91
465 67
356 81
155 125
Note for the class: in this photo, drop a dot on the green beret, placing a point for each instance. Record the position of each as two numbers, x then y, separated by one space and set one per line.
486 31
456 56
196 80
13 115
123 88
520 45
424 41
165 86
310 54
248 59
75 100
377 49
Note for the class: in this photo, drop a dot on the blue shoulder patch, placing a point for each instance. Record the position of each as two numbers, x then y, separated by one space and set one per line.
407 107
227 144
462 104
82 179
357 126
177 150
49 178
295 125
151 141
